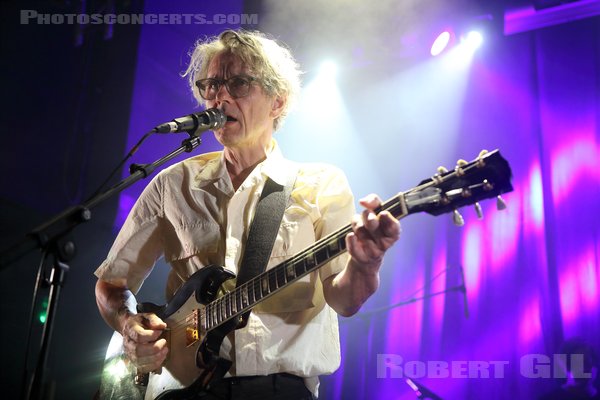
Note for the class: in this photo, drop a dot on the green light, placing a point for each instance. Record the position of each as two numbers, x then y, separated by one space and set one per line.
43 314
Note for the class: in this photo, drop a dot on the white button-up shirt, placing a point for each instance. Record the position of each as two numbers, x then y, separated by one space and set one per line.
191 214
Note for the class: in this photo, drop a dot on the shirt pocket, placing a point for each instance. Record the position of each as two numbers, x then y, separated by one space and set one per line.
201 239
284 242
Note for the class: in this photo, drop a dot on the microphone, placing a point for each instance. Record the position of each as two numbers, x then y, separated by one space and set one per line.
463 289
210 119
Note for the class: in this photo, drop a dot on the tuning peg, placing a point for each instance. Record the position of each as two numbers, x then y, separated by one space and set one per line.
458 169
478 210
480 162
500 203
442 170
457 218
487 186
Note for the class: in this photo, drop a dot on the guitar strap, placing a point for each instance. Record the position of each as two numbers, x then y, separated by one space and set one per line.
265 225
259 245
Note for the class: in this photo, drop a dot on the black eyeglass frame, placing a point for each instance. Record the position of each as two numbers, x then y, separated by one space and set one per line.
226 83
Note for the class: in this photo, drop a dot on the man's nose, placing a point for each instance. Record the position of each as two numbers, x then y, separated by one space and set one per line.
220 97
222 93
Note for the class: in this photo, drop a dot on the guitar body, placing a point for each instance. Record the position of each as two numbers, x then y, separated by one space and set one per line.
193 360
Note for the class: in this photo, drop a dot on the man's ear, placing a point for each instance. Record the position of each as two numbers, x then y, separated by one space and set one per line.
278 105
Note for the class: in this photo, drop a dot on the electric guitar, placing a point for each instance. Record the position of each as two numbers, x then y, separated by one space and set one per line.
198 318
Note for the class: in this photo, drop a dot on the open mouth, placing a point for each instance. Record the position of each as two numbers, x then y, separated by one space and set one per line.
231 119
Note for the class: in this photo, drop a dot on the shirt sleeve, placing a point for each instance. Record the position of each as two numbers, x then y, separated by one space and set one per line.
139 243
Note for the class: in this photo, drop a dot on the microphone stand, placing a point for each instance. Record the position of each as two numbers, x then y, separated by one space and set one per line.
421 391
457 288
50 238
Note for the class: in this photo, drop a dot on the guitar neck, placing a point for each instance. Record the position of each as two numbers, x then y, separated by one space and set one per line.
243 298
483 178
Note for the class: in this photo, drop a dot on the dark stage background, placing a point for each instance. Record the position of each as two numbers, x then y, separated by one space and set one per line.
77 97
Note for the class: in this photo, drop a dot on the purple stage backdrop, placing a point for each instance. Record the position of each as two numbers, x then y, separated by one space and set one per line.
532 271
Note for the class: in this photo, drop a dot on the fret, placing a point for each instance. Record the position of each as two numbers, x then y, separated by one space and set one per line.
250 289
213 315
272 280
216 314
245 296
256 290
228 309
322 255
264 280
281 275
238 300
221 310
203 325
290 272
207 317
309 263
334 246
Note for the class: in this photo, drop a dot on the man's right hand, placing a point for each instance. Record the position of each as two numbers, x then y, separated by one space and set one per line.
143 343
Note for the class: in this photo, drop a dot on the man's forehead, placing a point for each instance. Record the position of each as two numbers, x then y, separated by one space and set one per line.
226 64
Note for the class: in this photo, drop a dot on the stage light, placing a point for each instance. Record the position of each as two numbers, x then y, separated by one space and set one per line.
461 56
117 368
473 40
440 43
328 69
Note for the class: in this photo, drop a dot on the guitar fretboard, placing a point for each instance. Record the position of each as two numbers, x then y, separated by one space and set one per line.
257 289
487 176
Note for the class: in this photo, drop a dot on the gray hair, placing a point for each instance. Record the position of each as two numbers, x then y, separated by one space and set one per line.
271 62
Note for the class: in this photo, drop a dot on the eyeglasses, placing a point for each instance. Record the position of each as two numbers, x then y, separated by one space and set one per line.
237 86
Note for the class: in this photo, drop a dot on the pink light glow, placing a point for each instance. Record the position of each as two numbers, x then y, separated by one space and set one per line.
471 257
573 163
439 264
530 325
403 333
534 216
569 299
579 287
588 280
503 233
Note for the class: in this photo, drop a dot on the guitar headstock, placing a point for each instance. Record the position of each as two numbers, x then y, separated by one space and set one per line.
488 176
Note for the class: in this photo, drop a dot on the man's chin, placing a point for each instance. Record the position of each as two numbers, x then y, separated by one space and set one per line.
225 136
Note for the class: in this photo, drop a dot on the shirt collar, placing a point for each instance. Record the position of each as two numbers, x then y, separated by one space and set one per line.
274 165
213 169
